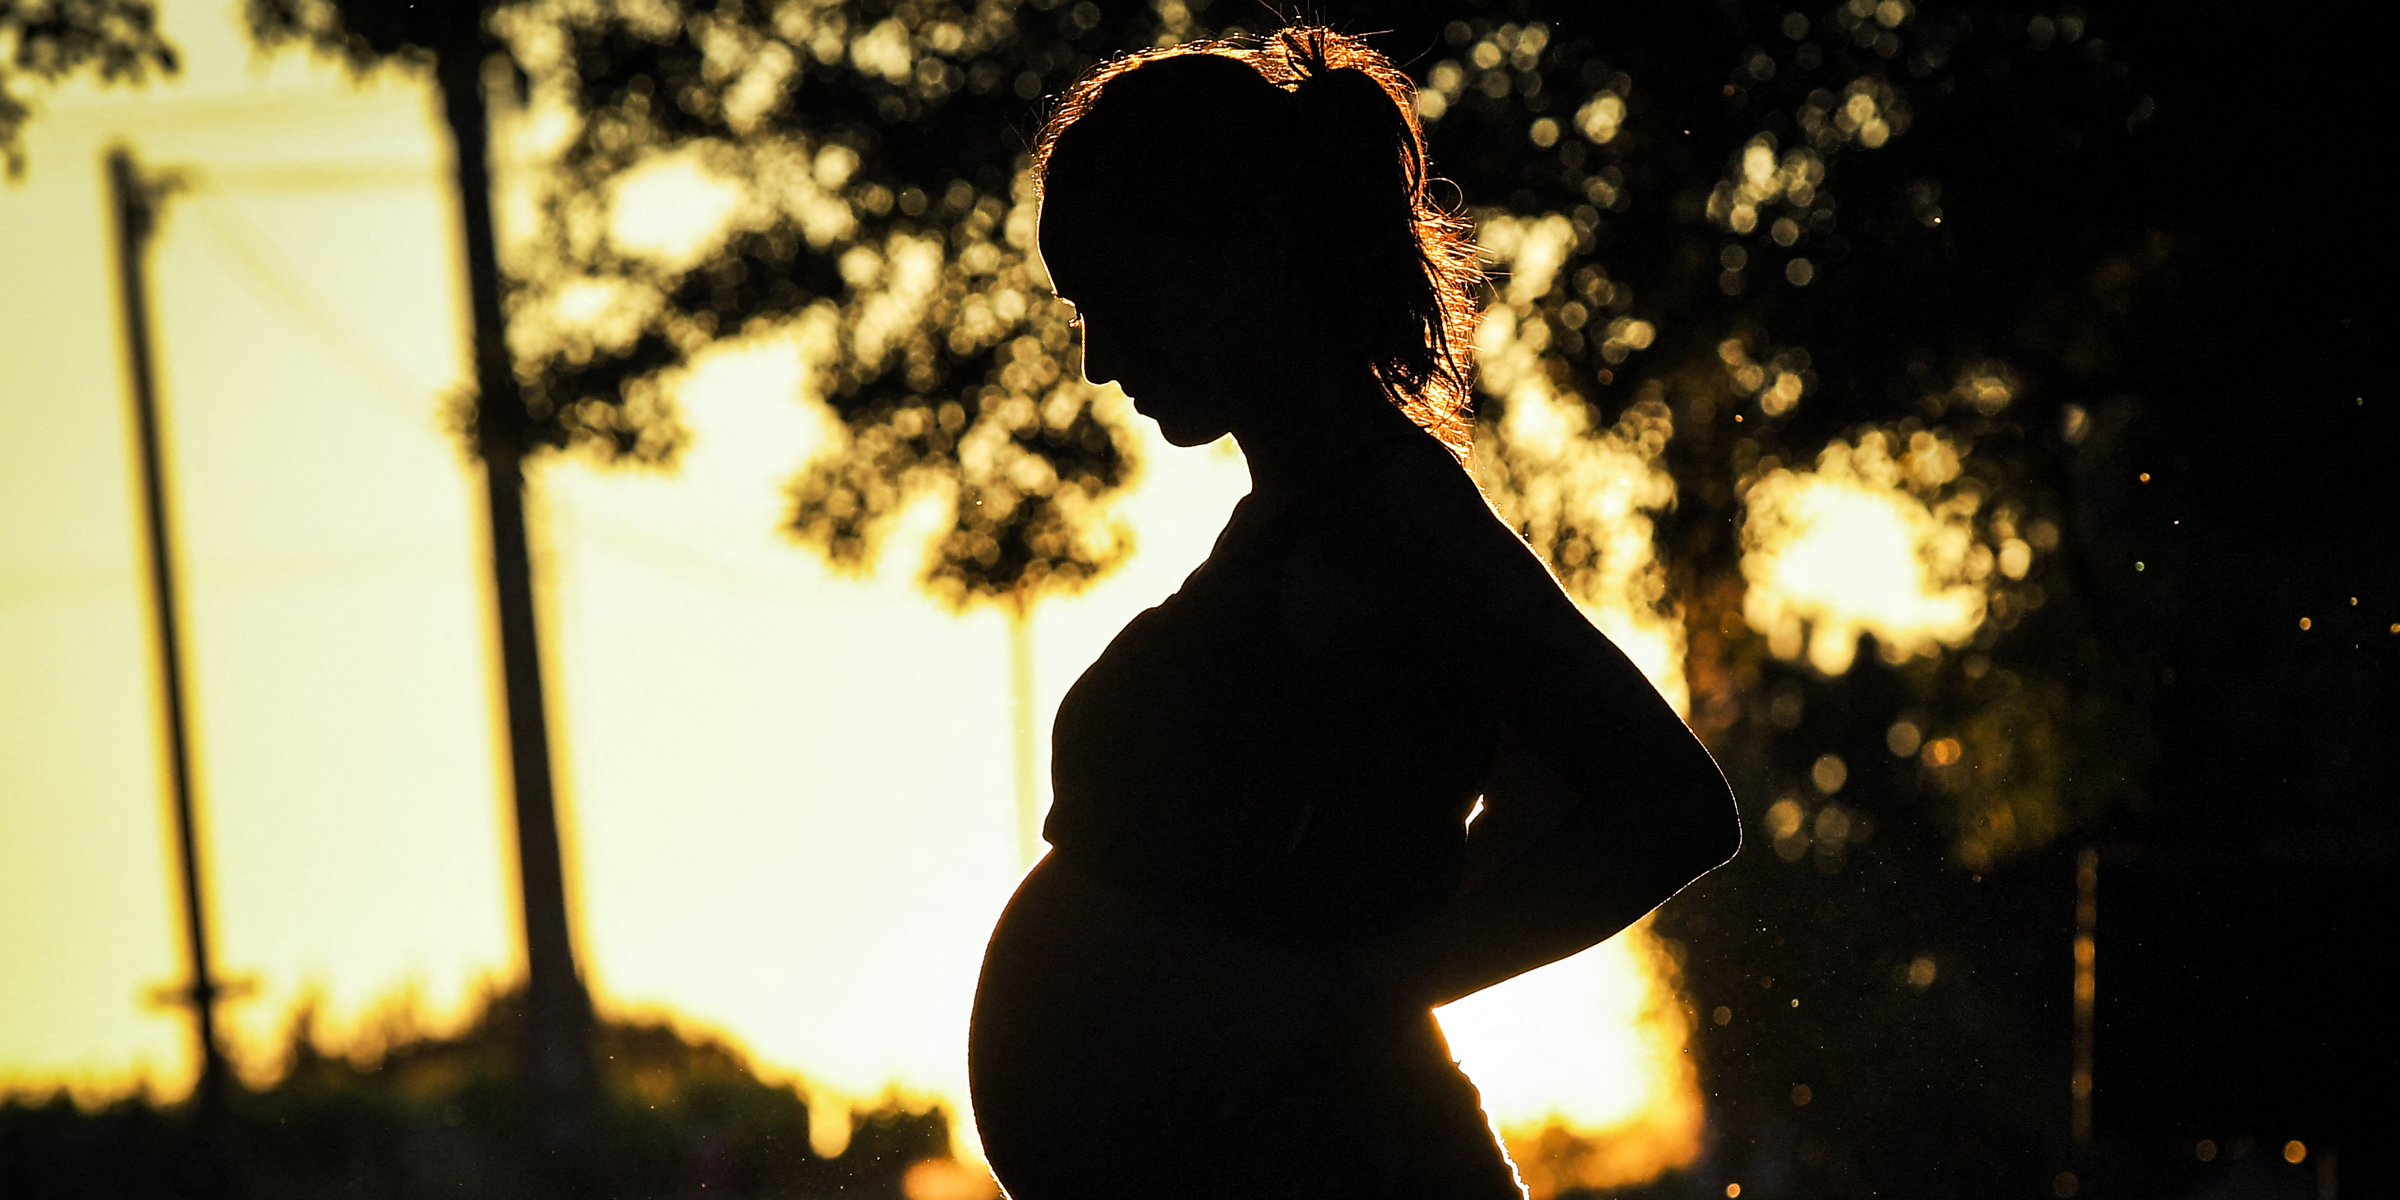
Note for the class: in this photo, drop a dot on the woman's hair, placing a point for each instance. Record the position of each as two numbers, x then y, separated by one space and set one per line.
1304 143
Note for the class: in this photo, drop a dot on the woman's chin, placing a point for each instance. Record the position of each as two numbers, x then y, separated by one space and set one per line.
1180 429
1189 435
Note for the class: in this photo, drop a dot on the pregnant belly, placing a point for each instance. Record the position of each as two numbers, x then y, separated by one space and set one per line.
1105 1030
1118 1051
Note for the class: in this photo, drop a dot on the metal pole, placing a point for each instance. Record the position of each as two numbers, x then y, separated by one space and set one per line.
136 205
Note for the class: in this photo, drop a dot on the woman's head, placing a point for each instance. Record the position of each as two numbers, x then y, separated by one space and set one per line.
1270 196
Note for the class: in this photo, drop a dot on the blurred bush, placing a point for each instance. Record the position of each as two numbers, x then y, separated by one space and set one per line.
446 1115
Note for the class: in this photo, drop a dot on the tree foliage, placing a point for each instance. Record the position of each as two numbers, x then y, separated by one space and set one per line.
881 213
1760 267
886 214
48 40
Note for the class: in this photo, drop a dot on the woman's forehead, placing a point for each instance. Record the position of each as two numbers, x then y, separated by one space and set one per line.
1084 215
1087 253
1118 245
1069 262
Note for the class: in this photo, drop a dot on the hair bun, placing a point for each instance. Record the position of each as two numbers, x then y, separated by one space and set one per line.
1352 166
1334 90
1352 117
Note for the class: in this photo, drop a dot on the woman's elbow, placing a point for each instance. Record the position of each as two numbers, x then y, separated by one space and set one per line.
1723 839
1710 831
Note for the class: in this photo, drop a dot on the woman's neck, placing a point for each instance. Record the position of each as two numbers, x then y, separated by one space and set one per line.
1311 426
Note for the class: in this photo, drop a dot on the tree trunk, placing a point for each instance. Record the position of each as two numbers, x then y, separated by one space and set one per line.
559 1068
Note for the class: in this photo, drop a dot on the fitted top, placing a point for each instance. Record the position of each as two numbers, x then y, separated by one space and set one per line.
1288 745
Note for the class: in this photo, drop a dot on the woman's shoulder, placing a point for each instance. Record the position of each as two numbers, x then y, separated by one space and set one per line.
1406 521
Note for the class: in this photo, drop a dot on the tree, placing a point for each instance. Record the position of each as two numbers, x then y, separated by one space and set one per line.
52 39
451 40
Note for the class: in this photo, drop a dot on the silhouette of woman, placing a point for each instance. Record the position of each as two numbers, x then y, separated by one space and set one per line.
1218 983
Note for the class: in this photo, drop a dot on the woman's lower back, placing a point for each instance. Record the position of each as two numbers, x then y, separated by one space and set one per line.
1122 1053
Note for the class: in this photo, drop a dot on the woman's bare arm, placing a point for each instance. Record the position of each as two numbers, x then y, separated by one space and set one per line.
1601 804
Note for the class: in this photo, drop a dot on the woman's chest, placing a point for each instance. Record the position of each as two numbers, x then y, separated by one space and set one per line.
1276 660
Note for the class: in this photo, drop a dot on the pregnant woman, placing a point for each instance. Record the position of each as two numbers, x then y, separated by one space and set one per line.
1263 874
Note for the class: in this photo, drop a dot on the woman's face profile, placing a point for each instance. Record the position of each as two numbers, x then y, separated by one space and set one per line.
1178 329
